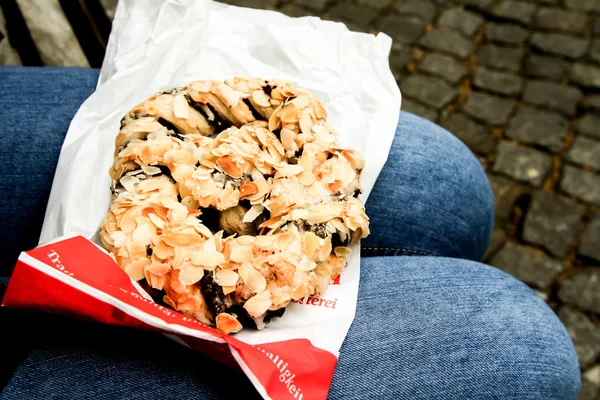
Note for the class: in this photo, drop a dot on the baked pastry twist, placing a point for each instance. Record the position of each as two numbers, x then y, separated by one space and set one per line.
233 198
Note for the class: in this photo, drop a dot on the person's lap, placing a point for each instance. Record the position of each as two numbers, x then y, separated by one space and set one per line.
425 327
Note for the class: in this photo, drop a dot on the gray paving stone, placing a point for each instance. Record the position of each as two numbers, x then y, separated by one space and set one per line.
589 125
448 41
544 128
317 5
557 19
434 92
585 151
474 135
479 4
522 164
561 44
376 4
514 10
592 375
489 109
594 101
402 29
552 221
588 391
527 265
544 67
590 242
581 289
505 33
581 184
553 96
445 66
358 15
586 75
596 27
420 8
585 335
585 5
594 53
506 193
400 56
496 242
498 57
420 110
293 10
464 21
504 83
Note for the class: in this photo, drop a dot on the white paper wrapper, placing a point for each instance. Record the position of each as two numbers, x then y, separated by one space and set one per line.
156 45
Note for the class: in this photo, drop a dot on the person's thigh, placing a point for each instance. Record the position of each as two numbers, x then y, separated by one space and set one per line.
36 107
425 328
432 196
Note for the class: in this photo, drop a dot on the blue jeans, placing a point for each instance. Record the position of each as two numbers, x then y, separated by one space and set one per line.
431 321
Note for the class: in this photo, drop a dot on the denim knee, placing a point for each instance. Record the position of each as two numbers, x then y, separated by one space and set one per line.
445 328
432 196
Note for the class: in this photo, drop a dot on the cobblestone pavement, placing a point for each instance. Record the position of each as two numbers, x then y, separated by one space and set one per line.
519 83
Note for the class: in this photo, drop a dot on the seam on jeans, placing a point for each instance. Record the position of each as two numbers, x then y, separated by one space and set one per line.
397 249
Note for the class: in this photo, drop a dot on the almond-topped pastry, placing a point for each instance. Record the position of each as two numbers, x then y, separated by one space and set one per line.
233 199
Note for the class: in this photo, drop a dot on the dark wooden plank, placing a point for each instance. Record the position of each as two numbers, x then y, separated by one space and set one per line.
52 33
8 55
19 35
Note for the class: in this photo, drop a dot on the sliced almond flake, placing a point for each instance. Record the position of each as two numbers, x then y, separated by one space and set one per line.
135 270
179 239
306 123
248 189
227 277
325 249
306 264
209 114
261 98
143 234
289 115
118 238
163 250
253 213
291 170
227 323
228 289
245 239
229 167
151 170
129 182
320 112
158 269
241 254
300 102
123 252
342 251
252 278
310 244
207 259
156 220
259 304
190 203
189 275
169 301
287 139
128 219
230 97
181 107
300 292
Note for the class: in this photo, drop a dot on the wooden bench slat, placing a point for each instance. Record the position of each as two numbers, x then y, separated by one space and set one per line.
8 55
52 33
110 6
